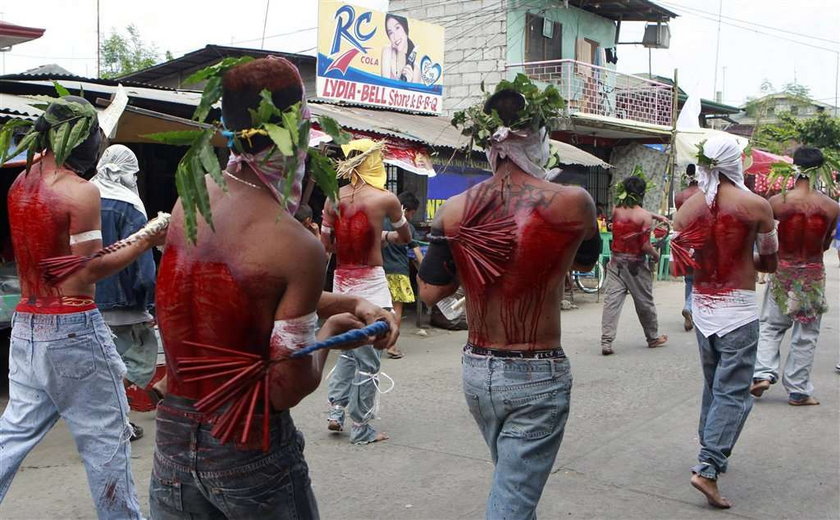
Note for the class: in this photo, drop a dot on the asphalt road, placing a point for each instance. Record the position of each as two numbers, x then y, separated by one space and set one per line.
630 439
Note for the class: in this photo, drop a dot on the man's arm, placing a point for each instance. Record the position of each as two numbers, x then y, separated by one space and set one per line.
86 217
767 240
647 247
327 223
590 249
829 236
395 213
437 277
331 304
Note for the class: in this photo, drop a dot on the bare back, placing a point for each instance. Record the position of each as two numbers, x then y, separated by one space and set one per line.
357 224
228 288
807 219
521 309
631 230
726 260
685 194
41 206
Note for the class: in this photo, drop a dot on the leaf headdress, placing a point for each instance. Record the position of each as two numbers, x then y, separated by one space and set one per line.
624 198
287 129
64 125
783 173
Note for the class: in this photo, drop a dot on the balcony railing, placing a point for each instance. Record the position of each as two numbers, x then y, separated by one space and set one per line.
589 89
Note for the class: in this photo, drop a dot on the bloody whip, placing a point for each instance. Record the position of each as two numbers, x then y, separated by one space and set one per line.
58 268
247 378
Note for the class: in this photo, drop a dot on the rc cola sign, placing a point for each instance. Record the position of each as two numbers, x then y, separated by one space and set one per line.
381 59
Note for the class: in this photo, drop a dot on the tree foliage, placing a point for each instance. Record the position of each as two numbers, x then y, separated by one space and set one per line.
122 54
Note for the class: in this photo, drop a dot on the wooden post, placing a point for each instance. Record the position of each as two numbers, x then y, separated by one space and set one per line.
672 152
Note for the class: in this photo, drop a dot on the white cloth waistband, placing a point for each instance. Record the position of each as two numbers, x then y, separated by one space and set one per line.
722 313
365 282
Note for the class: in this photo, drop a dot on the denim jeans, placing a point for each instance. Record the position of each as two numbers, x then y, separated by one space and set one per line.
138 348
66 366
353 385
727 363
521 407
195 476
689 284
803 345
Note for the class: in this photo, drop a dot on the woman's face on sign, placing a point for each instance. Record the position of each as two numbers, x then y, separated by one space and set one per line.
396 33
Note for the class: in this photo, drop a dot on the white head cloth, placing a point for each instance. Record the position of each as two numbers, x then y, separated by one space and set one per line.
527 149
726 152
116 176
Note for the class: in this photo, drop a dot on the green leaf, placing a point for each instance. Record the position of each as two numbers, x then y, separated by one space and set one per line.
176 137
211 94
7 133
185 191
303 134
202 197
291 120
331 127
324 174
211 164
217 69
60 90
265 110
281 137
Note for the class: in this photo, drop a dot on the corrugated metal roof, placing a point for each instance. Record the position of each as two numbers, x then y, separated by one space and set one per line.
17 107
183 97
570 154
49 76
432 130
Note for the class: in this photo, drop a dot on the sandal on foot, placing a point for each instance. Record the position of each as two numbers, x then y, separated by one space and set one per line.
808 401
658 342
394 355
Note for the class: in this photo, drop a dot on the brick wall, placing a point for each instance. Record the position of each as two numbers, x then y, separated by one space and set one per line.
475 46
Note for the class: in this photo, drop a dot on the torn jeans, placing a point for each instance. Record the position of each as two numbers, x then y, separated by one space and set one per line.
65 365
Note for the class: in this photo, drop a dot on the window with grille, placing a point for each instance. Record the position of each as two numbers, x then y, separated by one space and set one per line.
543 39
392 179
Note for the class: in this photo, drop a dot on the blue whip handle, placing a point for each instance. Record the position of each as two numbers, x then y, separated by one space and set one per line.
379 328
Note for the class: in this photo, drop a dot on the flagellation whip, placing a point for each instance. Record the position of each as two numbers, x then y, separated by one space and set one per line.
247 379
57 269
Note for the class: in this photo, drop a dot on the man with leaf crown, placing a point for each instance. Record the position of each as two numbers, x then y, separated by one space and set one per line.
795 297
238 293
352 229
715 233
629 270
62 360
509 241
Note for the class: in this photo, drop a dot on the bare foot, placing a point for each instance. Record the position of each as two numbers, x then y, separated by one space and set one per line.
606 351
688 323
381 436
658 342
759 387
334 426
709 489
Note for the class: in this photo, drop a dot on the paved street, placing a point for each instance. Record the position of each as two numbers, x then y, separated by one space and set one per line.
630 439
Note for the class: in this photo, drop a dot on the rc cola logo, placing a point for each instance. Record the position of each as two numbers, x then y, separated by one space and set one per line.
381 59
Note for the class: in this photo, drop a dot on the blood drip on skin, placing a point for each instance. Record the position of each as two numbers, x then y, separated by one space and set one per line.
39 230
204 302
801 236
721 260
628 237
524 287
354 237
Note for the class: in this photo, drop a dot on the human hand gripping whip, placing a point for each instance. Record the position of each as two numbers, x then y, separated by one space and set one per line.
58 268
249 379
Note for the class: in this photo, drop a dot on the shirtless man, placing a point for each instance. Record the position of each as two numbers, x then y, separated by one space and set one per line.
62 361
807 219
252 285
354 232
517 380
719 228
629 270
679 200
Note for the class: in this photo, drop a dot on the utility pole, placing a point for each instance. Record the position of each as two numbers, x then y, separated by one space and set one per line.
717 48
98 72
265 22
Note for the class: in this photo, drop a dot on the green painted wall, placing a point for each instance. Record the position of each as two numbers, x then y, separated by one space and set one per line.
576 23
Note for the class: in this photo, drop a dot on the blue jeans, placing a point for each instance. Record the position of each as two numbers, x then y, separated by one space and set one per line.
353 386
689 284
195 476
138 348
521 407
728 363
66 366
